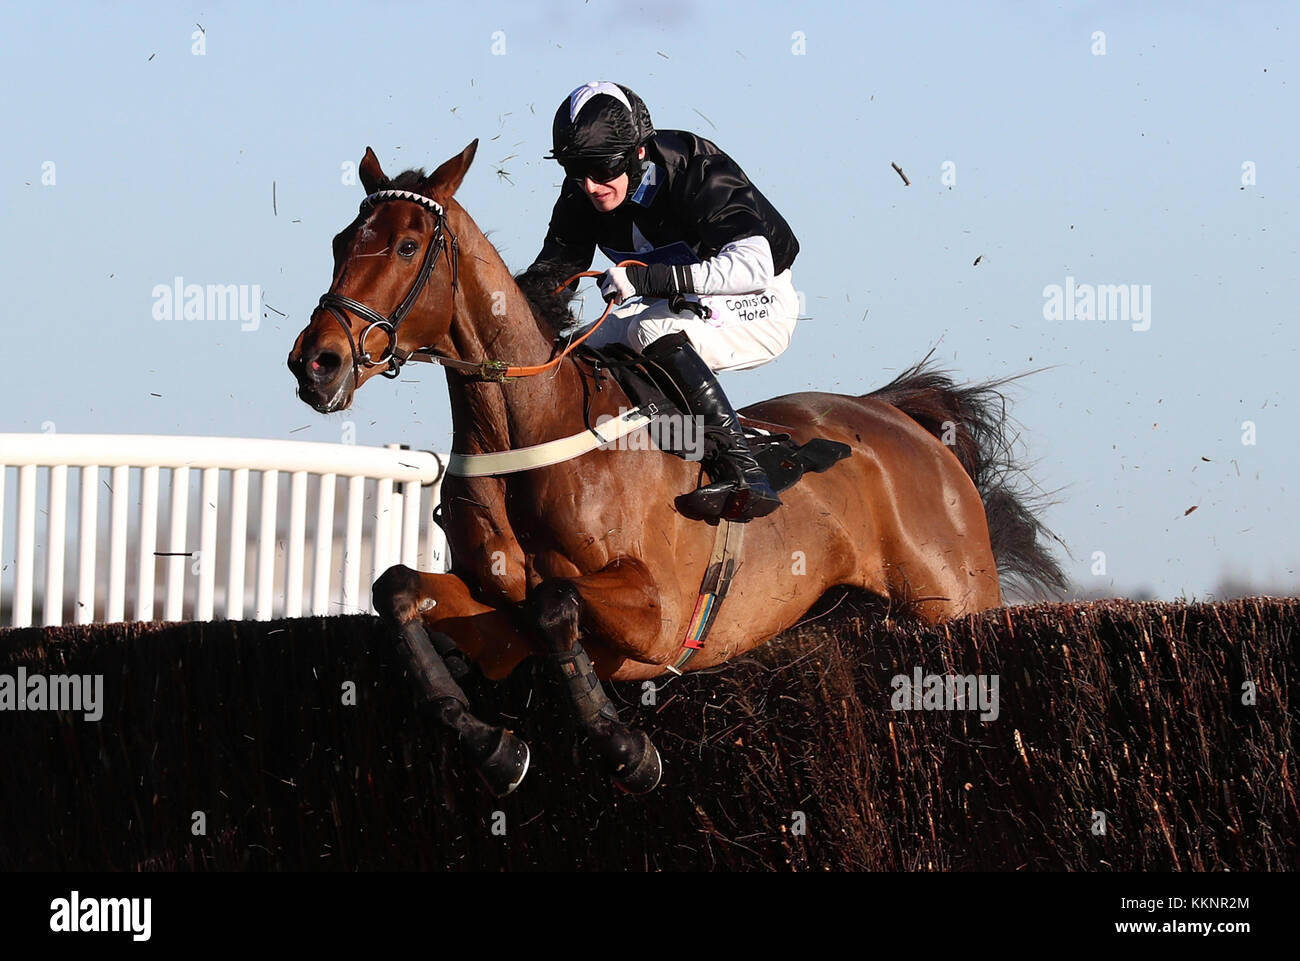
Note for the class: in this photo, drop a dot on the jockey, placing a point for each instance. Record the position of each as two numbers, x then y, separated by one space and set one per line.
716 293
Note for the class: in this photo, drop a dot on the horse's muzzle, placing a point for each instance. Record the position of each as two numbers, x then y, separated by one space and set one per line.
323 379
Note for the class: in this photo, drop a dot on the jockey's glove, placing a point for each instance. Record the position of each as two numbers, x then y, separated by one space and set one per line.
655 280
616 286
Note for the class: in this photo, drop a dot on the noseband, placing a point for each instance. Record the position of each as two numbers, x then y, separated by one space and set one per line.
393 356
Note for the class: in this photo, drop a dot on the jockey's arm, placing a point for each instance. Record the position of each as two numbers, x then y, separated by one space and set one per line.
713 195
740 267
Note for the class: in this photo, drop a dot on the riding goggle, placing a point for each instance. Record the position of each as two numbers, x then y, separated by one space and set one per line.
602 171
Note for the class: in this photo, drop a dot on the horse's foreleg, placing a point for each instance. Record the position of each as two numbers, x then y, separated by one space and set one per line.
436 662
632 760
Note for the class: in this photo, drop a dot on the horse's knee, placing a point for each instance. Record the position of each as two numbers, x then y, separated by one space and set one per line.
555 606
396 595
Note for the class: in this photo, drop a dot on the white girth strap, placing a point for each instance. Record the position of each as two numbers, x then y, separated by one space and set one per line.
544 455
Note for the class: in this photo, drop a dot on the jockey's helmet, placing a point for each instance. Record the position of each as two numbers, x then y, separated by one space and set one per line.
598 128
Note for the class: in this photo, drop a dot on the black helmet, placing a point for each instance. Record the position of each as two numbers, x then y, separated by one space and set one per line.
599 121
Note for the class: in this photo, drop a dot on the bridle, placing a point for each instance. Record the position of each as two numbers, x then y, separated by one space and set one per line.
393 356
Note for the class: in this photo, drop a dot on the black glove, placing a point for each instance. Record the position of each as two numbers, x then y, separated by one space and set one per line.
661 280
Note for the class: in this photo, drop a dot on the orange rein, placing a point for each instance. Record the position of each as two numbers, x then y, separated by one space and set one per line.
609 305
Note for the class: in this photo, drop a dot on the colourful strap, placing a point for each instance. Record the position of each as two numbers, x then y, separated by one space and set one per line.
723 563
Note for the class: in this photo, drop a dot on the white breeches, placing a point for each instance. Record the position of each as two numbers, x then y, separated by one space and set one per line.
745 330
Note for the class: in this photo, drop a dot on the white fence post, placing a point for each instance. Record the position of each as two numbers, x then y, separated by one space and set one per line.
177 555
87 544
148 543
411 500
264 602
116 610
321 570
352 546
238 542
55 527
297 534
209 495
383 528
25 544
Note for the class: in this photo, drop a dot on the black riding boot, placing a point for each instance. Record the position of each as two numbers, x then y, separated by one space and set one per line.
747 493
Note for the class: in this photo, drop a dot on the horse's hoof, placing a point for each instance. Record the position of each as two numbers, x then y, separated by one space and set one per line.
504 768
641 775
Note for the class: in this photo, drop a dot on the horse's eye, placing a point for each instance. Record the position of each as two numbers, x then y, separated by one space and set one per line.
407 248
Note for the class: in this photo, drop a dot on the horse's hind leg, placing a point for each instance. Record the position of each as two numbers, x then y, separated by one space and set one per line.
436 665
631 759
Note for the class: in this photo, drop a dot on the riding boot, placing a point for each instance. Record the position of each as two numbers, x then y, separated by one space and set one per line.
746 493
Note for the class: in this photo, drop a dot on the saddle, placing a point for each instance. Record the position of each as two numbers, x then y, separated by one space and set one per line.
651 389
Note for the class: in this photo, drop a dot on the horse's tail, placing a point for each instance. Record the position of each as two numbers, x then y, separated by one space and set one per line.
973 421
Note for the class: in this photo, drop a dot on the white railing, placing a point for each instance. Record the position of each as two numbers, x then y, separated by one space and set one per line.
389 498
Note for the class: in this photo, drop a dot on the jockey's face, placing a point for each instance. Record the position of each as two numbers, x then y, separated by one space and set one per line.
607 196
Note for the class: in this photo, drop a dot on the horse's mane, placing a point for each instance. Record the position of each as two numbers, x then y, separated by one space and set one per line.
538 285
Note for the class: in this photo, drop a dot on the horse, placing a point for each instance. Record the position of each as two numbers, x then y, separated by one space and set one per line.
586 562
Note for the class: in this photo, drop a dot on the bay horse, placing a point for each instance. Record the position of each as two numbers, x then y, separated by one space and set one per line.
586 562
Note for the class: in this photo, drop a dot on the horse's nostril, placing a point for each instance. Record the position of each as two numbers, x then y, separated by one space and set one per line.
324 365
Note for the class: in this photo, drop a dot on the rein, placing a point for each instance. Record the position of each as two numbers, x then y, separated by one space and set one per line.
394 356
499 370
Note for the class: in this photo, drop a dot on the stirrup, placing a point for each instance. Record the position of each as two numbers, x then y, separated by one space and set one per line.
751 502
724 499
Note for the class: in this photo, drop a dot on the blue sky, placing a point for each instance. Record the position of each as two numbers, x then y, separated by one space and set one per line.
1122 167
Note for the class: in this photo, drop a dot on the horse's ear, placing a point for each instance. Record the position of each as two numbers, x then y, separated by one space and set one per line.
442 183
372 176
